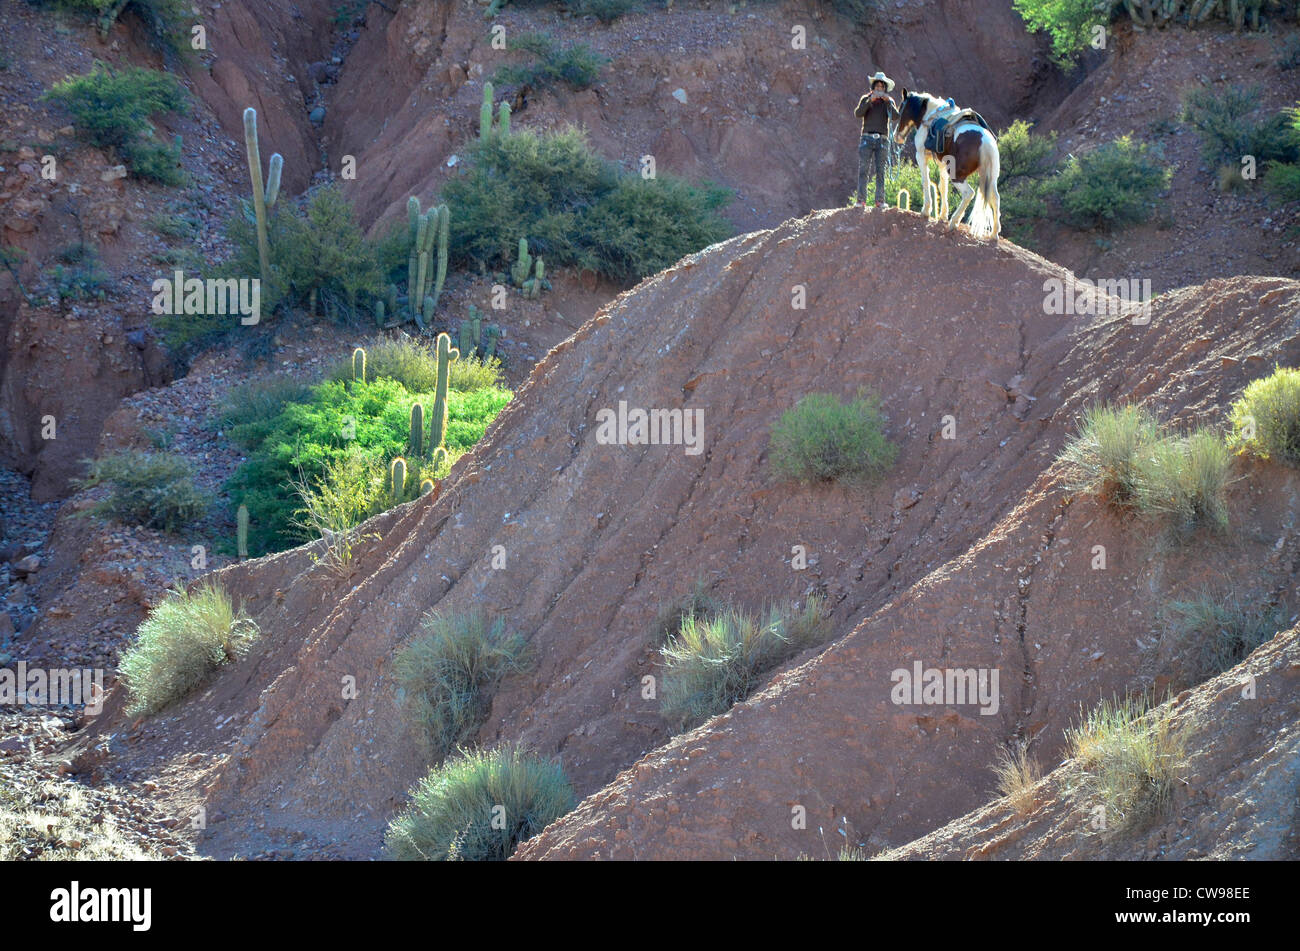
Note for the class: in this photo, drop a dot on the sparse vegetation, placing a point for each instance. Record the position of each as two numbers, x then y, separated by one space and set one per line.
574 208
60 821
112 110
148 489
1112 186
165 19
698 604
447 674
413 362
79 275
451 814
1131 755
824 438
1230 136
1124 456
714 662
1185 477
551 64
1265 419
1017 772
607 11
1223 631
186 637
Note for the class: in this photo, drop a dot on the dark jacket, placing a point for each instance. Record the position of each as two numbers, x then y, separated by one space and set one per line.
875 116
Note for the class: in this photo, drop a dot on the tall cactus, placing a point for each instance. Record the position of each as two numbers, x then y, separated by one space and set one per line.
438 422
520 270
444 246
397 479
503 118
241 531
439 460
427 267
417 431
466 340
362 375
485 113
263 197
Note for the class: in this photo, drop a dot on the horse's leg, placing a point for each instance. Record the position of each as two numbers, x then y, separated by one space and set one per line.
923 164
945 165
967 193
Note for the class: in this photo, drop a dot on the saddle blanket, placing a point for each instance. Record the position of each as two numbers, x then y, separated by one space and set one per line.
938 139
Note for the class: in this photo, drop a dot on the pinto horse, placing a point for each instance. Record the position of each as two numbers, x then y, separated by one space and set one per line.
973 149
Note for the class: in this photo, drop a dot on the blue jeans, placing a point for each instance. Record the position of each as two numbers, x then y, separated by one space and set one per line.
873 150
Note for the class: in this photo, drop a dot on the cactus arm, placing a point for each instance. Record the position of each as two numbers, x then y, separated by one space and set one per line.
259 195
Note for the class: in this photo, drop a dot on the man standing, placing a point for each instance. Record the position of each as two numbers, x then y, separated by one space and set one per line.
876 110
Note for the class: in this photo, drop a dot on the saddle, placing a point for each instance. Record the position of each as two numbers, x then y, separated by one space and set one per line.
939 139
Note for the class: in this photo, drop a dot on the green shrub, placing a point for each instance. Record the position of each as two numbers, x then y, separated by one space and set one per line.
1266 418
1025 179
165 19
607 11
316 248
155 491
1225 631
573 207
823 438
1104 457
698 604
349 490
413 363
1113 186
576 66
1228 133
112 109
250 409
79 275
1185 477
452 810
714 662
1131 756
447 675
334 419
645 225
1283 181
184 639
1069 23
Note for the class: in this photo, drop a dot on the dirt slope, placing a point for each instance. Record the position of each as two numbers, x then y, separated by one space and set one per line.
968 552
1236 798
773 122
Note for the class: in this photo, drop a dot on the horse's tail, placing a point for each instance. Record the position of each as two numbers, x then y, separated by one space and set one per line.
985 216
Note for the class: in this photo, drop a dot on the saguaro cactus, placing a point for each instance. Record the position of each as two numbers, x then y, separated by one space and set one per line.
241 531
417 431
397 478
503 118
485 113
438 423
439 460
424 283
263 197
362 375
520 270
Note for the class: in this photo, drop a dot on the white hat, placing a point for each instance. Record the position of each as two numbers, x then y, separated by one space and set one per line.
881 77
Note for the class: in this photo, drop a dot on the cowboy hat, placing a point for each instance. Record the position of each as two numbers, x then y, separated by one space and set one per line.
882 78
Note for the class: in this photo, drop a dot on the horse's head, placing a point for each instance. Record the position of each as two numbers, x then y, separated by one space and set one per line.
911 113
